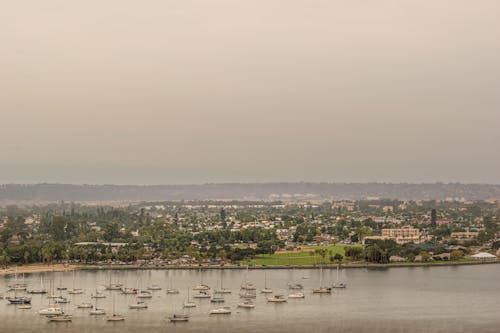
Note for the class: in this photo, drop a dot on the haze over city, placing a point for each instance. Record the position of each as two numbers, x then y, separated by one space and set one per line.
171 92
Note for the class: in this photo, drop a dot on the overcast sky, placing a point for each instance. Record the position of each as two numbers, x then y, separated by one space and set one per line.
161 92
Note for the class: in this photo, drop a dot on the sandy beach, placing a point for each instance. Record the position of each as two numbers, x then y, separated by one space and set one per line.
36 268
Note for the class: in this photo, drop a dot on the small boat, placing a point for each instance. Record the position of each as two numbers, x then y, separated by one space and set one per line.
144 294
19 300
18 287
217 299
246 305
175 318
61 318
85 305
24 307
129 291
322 290
221 310
138 305
154 287
97 295
172 291
97 312
202 294
61 300
61 287
248 294
277 299
114 286
76 291
51 311
201 287
295 286
297 295
115 317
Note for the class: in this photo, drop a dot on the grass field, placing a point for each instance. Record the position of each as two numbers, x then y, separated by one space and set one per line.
296 258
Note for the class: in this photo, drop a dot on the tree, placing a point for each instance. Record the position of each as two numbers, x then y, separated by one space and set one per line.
455 255
354 252
337 257
425 256
433 217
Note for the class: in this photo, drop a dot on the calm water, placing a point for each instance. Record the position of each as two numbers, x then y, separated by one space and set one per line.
437 299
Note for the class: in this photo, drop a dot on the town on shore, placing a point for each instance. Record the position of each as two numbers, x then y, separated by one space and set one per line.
263 234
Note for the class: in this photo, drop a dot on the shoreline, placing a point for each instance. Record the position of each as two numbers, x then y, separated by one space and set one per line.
40 268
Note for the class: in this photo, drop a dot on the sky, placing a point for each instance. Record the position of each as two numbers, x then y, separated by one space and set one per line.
196 91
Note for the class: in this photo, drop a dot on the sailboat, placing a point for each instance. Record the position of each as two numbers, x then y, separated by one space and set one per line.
339 284
17 286
171 289
188 303
61 287
114 316
246 305
246 284
75 291
98 294
18 300
321 289
85 305
277 299
294 285
201 286
61 318
225 310
138 305
266 290
97 311
297 295
217 298
38 291
222 290
113 286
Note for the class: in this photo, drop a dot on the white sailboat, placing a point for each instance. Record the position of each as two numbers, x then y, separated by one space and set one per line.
322 289
266 289
97 311
277 299
338 284
246 305
201 286
171 289
188 303
115 316
75 291
222 290
225 310
247 285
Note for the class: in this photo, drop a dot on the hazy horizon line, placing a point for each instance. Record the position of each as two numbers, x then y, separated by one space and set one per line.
255 183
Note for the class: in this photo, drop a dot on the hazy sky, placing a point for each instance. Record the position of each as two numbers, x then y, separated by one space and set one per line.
142 92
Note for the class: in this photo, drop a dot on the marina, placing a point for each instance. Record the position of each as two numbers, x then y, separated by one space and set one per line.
379 299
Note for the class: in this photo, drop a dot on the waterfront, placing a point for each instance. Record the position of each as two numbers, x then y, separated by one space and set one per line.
419 299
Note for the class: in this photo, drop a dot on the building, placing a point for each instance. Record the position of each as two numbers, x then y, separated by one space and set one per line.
464 235
402 235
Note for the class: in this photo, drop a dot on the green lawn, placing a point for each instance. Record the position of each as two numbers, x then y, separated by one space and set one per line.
296 258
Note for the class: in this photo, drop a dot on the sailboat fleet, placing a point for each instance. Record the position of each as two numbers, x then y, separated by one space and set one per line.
56 309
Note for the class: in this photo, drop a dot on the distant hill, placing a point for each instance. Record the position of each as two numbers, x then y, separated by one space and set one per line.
253 191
